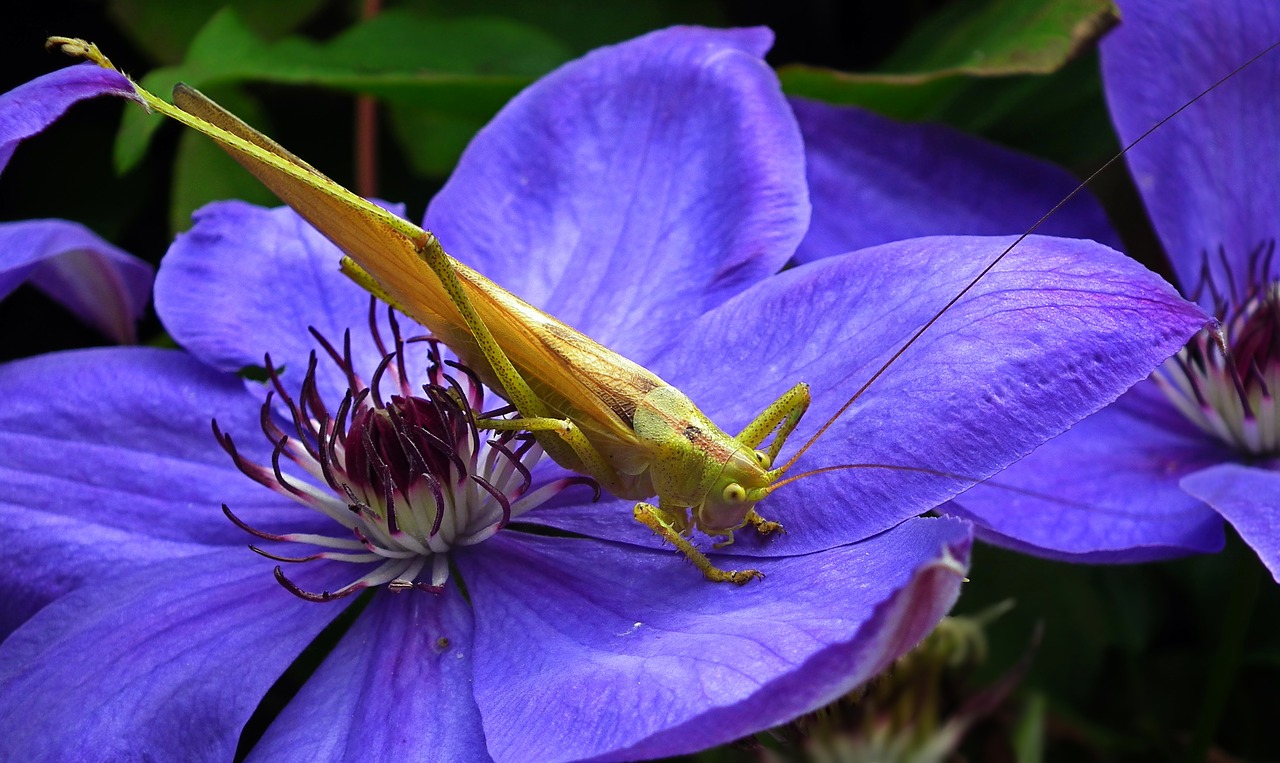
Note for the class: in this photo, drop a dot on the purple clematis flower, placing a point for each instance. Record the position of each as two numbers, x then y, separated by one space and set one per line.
1202 435
875 180
648 194
105 287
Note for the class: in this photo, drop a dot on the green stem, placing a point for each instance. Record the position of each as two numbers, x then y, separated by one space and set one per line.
1225 663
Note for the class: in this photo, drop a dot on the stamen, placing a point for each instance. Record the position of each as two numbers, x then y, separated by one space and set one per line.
1223 380
408 478
472 394
1231 278
373 328
279 558
375 384
403 373
317 597
248 528
342 361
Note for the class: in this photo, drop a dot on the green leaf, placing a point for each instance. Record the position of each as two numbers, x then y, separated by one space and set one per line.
587 24
972 39
203 172
403 41
1028 735
988 38
163 28
1060 116
432 140
890 96
463 68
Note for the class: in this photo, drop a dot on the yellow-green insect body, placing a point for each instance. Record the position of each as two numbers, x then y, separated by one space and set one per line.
591 409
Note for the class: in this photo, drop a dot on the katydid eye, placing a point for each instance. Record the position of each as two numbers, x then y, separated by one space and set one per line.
763 459
734 493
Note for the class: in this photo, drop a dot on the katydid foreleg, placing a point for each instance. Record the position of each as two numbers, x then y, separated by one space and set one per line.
783 414
670 526
786 410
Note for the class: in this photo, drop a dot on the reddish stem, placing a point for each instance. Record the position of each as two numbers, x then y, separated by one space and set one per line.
367 127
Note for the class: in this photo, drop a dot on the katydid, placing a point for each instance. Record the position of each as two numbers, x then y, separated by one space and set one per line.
595 412
591 409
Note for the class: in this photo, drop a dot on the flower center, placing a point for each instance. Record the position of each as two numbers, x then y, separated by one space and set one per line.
1226 379
408 479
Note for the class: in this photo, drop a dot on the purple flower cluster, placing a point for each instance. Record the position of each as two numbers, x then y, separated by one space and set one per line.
1148 477
649 194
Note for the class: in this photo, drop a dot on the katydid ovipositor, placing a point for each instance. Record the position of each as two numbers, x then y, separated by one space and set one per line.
633 433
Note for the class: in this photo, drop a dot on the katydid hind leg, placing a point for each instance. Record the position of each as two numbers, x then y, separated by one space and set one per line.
535 415
518 390
591 461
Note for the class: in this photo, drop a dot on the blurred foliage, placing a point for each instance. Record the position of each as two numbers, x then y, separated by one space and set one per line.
942 72
439 77
584 24
164 31
958 44
1133 659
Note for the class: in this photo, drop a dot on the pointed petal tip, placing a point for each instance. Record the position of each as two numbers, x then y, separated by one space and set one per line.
1246 497
31 107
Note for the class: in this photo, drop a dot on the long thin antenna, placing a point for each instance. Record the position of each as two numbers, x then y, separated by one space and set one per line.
936 473
990 266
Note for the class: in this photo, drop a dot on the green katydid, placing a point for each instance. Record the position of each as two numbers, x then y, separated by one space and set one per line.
593 410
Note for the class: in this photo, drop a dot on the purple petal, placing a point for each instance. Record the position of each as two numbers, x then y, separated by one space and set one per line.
1248 498
110 460
590 650
1209 176
630 191
874 180
1057 330
47 555
397 687
166 663
104 286
122 438
31 107
246 281
608 519
1106 490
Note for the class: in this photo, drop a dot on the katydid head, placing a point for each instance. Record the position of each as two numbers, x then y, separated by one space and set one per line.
743 481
